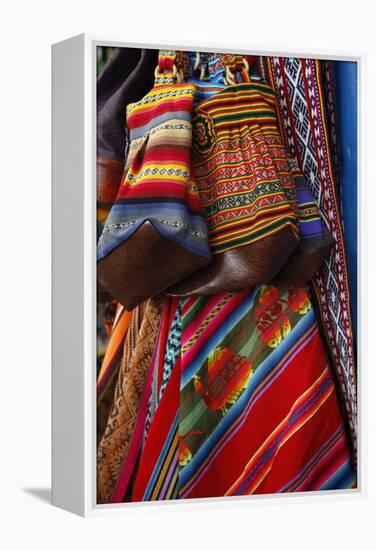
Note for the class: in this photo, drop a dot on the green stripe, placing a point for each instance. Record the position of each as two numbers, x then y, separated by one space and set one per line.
188 316
247 116
248 239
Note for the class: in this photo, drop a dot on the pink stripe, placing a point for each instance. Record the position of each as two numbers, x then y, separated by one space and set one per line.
211 328
201 316
333 466
166 484
322 464
187 305
140 118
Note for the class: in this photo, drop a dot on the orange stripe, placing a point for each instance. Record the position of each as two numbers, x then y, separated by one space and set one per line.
117 335
256 239
282 205
237 233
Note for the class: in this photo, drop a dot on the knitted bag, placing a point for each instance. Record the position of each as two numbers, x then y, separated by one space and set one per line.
155 233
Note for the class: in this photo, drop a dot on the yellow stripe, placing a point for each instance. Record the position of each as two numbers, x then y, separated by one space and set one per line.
139 106
236 95
160 166
220 249
283 205
172 485
256 227
252 128
224 195
218 153
254 108
237 178
219 227
166 465
243 163
235 122
180 180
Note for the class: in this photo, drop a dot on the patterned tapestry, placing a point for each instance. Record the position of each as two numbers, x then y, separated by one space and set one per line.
232 391
304 90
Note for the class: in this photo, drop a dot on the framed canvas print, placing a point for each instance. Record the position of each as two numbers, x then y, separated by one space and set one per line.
206 244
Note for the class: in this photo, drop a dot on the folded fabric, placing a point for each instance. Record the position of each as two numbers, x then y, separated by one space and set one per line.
156 232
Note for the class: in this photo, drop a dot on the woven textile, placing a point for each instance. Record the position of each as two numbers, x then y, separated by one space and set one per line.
208 78
241 168
236 394
120 436
250 406
157 185
305 106
109 370
312 230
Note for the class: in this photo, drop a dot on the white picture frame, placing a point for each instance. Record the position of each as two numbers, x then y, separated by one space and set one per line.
74 277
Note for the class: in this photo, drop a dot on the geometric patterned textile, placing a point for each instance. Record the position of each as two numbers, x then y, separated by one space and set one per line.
304 91
250 406
157 184
172 350
241 167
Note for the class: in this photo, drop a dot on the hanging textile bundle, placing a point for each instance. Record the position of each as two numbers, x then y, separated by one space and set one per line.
246 188
155 233
221 383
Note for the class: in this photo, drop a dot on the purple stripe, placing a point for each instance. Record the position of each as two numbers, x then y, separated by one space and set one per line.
170 475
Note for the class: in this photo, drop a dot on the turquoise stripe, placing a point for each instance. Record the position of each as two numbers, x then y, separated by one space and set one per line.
342 479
